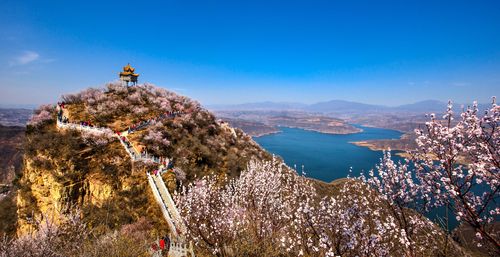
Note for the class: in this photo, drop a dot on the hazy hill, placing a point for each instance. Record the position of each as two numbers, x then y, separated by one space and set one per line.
259 106
261 122
343 107
14 116
404 118
252 128
423 106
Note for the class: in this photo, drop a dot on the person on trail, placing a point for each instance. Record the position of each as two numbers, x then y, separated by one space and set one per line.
162 244
167 242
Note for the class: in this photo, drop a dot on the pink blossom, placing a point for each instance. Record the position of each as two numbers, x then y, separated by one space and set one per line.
42 114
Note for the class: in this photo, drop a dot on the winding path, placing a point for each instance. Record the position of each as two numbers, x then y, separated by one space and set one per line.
178 229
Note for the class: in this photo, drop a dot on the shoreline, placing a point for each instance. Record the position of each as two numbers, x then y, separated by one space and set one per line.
267 133
308 129
401 152
325 132
373 126
370 145
364 143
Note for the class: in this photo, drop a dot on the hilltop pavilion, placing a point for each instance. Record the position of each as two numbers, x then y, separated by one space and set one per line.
128 75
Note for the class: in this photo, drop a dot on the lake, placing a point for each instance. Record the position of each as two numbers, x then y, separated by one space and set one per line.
325 156
328 157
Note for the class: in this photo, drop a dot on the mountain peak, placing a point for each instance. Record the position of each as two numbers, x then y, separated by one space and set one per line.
92 172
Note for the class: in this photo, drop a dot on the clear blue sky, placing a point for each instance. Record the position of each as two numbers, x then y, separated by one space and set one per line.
222 52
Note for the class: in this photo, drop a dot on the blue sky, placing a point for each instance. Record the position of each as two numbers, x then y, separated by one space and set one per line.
223 52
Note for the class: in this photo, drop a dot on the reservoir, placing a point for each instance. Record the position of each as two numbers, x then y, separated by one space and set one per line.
326 156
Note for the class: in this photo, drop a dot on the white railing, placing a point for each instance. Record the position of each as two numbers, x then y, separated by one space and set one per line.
180 249
68 125
163 207
167 200
160 190
175 249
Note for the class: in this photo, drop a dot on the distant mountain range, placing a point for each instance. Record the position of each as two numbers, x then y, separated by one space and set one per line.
18 106
278 106
344 106
341 106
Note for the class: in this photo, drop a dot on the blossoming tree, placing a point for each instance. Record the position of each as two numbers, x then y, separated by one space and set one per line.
270 210
457 165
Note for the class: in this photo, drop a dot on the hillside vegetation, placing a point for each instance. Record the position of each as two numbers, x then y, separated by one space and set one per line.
66 169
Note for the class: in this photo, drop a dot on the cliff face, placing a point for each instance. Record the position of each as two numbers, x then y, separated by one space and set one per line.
11 140
68 169
62 173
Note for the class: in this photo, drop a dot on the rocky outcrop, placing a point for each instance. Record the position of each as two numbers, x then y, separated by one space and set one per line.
68 169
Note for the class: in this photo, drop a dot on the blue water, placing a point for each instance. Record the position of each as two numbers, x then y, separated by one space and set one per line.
326 157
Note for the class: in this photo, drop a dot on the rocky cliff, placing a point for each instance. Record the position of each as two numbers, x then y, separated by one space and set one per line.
11 158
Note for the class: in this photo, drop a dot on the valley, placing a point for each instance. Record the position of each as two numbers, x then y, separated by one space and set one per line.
258 123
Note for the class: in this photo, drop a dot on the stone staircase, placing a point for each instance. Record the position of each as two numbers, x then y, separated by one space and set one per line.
178 246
